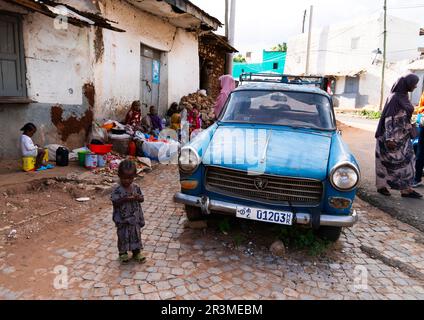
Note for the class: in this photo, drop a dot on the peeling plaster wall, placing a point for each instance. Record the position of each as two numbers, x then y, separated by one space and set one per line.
183 64
61 63
117 78
57 68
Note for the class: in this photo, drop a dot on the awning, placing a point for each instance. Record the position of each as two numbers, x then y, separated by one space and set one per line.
221 41
74 16
180 13
351 73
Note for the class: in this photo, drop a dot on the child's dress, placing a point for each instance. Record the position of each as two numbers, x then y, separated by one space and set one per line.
128 218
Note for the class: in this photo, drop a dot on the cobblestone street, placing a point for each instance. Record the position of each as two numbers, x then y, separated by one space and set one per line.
380 258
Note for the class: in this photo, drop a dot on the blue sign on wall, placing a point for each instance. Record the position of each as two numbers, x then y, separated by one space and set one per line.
156 72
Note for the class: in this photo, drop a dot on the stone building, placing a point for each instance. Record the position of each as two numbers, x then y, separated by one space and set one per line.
66 63
213 53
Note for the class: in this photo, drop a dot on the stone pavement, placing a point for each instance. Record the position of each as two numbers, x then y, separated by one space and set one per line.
380 258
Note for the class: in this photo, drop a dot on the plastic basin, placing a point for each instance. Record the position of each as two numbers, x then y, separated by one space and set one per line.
101 149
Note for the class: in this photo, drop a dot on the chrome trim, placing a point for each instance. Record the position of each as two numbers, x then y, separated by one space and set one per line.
265 202
199 161
345 164
264 173
231 209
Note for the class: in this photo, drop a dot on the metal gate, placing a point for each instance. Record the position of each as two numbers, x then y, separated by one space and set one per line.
150 77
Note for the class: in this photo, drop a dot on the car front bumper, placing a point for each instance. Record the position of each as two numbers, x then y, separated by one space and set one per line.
207 205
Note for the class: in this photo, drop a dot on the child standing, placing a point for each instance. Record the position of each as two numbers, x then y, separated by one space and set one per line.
127 213
28 148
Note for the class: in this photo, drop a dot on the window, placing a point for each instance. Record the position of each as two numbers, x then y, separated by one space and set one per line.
352 85
295 109
275 66
12 66
355 43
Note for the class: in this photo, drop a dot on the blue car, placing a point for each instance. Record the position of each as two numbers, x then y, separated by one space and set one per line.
274 155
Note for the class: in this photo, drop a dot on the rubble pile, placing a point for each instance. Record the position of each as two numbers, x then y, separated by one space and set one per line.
204 104
114 159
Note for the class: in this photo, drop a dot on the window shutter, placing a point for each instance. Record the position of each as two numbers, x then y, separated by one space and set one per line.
11 58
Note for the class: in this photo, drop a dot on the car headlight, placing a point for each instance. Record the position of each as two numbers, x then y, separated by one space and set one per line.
189 160
345 177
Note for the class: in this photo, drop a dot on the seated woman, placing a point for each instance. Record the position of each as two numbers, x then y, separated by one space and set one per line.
174 109
133 117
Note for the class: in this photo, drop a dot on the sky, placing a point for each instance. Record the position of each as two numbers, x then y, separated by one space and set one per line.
262 24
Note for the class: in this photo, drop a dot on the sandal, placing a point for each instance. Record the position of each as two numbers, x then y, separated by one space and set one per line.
124 258
384 192
412 195
140 258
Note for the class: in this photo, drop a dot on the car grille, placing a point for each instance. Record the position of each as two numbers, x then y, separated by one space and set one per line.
278 189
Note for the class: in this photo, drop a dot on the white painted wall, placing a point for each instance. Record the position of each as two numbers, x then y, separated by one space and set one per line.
183 66
117 77
332 52
57 61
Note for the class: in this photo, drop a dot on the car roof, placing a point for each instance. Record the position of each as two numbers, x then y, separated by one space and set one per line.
274 86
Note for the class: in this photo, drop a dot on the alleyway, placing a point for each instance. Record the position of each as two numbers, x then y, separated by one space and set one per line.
380 258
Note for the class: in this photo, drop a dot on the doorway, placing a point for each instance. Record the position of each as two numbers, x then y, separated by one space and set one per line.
150 78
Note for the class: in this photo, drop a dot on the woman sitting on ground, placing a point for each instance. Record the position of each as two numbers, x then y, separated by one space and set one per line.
134 116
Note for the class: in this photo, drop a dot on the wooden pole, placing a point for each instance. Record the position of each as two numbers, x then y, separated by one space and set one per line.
383 71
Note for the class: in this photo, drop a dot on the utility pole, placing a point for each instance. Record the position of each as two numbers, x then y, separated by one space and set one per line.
308 51
227 12
304 21
383 72
231 32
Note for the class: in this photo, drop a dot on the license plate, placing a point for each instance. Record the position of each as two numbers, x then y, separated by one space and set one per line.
270 216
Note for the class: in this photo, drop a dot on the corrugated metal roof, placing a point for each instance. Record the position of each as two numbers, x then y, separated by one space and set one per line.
349 73
74 16
219 40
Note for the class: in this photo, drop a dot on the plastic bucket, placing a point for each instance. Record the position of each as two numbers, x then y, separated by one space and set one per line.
46 155
101 161
81 158
28 163
91 161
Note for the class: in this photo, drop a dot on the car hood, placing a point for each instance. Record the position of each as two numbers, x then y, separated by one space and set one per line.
300 153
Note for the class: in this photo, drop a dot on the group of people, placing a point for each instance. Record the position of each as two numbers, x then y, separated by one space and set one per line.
397 165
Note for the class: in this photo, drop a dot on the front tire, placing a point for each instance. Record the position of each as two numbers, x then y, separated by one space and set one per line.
329 233
193 213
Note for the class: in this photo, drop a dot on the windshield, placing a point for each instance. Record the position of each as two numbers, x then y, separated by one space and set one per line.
295 109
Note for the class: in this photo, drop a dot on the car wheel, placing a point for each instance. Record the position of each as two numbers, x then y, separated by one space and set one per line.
329 233
193 213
